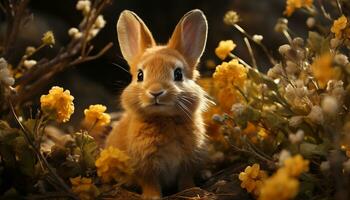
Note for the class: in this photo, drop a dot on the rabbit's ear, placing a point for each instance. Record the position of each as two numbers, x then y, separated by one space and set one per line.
133 36
190 36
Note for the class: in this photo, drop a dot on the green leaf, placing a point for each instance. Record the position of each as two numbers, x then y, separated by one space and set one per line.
252 114
4 125
255 75
317 43
308 150
89 154
30 124
273 120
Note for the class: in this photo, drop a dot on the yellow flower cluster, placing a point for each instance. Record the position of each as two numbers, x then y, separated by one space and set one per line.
279 186
113 164
58 104
84 188
95 116
224 48
227 77
283 184
323 70
292 5
296 165
230 74
339 26
252 178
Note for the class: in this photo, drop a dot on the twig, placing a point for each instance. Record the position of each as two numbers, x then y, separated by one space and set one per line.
15 13
88 58
76 52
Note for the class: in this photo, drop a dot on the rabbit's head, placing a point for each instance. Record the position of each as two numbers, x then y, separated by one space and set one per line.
163 77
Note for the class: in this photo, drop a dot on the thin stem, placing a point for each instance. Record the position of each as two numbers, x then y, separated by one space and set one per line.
339 7
39 154
250 50
240 60
263 47
286 34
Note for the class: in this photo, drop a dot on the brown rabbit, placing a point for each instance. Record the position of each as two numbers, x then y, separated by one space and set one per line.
162 128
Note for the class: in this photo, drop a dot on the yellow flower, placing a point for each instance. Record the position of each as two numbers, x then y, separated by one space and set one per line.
339 26
252 178
323 71
227 77
95 116
113 164
296 165
48 38
292 5
84 188
230 74
263 132
279 186
58 104
224 48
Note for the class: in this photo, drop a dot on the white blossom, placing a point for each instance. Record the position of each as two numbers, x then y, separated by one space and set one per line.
29 63
310 22
284 49
78 35
316 115
84 6
297 137
258 38
283 155
72 31
330 105
100 22
341 59
5 75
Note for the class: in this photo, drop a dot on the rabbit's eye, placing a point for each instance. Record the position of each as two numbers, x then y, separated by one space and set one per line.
178 74
140 75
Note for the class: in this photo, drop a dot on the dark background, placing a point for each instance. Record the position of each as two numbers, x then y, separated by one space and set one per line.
100 81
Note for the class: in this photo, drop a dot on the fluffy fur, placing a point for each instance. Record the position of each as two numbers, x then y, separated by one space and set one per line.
164 135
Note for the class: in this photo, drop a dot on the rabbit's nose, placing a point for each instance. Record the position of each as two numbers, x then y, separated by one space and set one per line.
156 94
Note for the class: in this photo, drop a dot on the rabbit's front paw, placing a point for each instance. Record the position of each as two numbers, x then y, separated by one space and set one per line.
146 197
151 191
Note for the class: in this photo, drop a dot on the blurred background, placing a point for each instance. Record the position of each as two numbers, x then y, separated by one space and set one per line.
102 80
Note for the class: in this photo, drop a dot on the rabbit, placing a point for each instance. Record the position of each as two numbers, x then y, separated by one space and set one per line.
161 128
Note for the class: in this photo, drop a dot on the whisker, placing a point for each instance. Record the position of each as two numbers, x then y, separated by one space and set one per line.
185 110
122 68
188 101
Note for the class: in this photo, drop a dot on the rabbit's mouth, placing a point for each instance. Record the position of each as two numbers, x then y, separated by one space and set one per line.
158 104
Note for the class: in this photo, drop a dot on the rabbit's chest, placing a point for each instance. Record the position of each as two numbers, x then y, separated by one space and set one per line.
163 147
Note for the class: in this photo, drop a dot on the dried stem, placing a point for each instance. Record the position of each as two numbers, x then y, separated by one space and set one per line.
15 16
76 52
